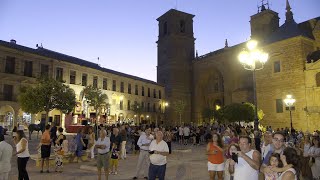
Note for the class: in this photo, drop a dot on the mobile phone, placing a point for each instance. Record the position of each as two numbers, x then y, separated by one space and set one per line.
234 157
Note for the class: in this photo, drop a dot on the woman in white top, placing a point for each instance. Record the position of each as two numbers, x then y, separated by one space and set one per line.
290 156
314 154
22 153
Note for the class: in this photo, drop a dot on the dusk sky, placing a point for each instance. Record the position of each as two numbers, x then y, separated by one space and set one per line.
123 33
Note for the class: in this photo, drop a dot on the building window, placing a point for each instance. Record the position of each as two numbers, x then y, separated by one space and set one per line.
148 92
142 91
148 107
154 93
44 70
136 90
114 85
142 106
318 79
28 68
165 28
129 105
84 79
105 84
129 88
59 74
159 108
279 106
95 82
121 104
10 65
159 94
154 107
276 67
122 87
7 92
182 26
72 77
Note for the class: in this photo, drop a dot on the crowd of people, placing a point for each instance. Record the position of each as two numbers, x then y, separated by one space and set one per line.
233 152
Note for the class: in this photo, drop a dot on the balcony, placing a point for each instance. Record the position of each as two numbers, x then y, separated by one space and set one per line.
6 97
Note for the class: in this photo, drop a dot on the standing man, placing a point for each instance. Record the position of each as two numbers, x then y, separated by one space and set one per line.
143 160
159 151
186 134
5 158
45 145
266 145
103 146
123 134
115 138
248 161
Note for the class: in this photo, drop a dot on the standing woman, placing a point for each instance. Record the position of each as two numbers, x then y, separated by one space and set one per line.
215 157
80 144
23 154
314 154
305 147
91 142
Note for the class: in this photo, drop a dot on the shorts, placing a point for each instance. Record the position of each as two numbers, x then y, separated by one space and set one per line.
114 162
103 161
215 167
45 151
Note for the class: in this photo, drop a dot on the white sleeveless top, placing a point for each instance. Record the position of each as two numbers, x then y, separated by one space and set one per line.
25 153
306 148
292 170
243 171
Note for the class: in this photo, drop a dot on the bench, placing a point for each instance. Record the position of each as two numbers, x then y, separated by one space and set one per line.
67 158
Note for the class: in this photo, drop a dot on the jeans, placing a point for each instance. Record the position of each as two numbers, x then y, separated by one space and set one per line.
22 164
157 171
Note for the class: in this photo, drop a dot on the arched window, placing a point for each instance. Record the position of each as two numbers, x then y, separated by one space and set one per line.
318 79
165 28
182 26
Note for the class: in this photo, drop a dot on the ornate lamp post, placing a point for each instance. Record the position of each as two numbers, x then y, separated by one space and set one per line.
289 101
253 59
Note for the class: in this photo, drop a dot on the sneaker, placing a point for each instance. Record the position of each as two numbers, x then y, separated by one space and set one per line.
134 178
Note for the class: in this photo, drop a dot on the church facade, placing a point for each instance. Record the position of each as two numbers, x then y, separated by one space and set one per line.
218 79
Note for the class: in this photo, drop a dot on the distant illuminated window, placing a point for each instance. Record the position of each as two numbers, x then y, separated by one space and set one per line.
276 67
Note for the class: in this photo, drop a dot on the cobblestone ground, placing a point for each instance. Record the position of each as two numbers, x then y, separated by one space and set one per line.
181 166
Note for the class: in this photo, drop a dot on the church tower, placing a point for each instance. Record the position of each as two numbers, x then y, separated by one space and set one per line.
263 23
175 55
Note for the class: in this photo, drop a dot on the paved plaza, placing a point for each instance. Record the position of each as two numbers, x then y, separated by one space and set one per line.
181 166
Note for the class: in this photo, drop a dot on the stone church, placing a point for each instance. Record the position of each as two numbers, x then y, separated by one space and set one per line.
218 78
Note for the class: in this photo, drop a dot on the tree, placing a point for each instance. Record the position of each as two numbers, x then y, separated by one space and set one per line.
95 98
207 114
137 109
46 95
179 107
238 112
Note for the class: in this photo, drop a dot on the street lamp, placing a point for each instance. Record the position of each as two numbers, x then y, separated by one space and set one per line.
289 101
253 59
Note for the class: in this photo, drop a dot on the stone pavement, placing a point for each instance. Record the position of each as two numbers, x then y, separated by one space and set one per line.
181 166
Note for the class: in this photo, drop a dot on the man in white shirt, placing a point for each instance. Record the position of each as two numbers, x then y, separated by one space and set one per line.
248 161
5 158
159 151
103 146
143 160
186 134
180 134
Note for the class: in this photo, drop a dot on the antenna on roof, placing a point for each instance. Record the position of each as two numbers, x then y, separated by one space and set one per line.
176 6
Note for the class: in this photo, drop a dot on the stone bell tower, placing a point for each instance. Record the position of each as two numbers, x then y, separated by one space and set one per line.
175 55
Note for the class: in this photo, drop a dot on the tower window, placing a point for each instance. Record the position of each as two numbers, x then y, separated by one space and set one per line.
276 67
318 79
10 65
182 26
84 79
72 77
114 85
122 87
59 74
165 28
95 82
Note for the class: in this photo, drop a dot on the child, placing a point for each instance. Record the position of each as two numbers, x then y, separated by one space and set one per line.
59 152
274 162
114 159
